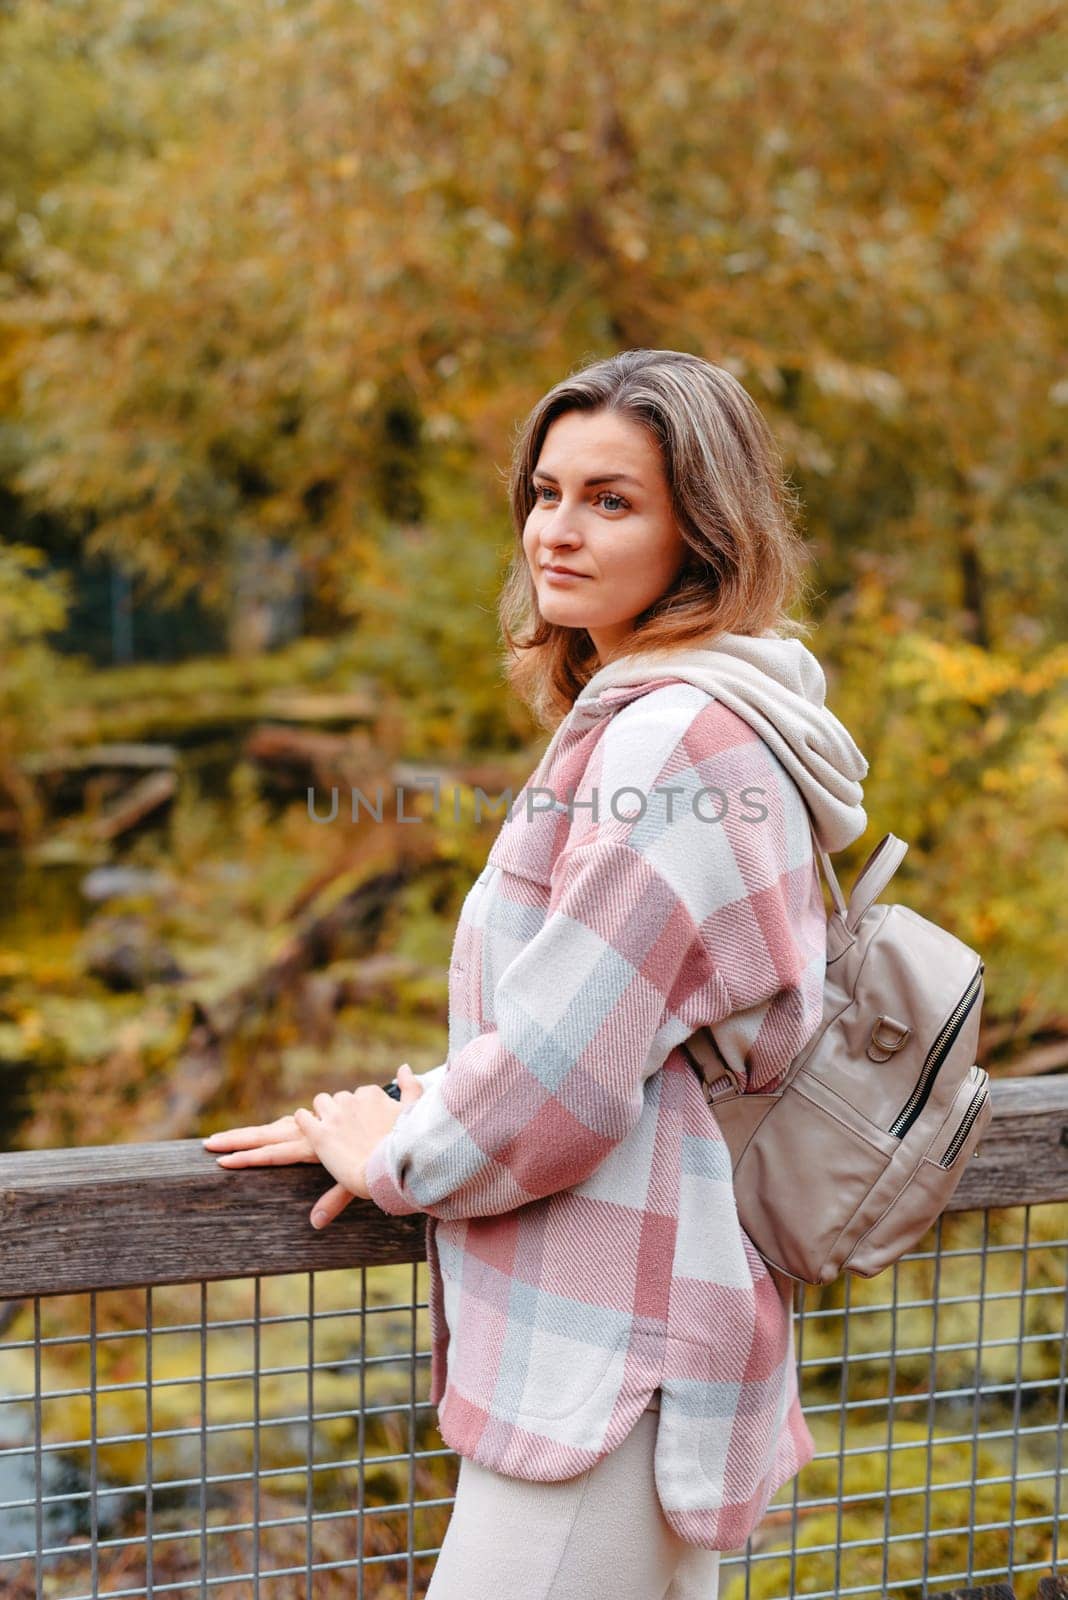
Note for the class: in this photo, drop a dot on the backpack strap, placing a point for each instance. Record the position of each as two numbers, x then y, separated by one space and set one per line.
828 871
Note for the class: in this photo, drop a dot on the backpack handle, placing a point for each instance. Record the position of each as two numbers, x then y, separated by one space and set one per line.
874 876
871 880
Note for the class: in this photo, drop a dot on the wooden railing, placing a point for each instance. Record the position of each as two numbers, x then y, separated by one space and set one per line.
106 1216
79 1221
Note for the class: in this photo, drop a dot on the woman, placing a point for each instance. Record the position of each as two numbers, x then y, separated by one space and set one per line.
611 1358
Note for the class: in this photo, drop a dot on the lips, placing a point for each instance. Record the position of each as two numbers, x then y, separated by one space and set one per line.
570 571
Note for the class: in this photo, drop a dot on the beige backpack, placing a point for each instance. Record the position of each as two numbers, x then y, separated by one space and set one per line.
854 1154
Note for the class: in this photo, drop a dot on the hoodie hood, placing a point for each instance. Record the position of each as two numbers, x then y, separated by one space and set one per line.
778 687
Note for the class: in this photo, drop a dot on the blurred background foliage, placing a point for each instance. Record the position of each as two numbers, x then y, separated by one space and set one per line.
278 280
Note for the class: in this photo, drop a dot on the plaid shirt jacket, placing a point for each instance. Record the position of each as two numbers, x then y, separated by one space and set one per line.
582 1238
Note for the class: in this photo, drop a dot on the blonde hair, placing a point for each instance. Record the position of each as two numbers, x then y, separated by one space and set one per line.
730 499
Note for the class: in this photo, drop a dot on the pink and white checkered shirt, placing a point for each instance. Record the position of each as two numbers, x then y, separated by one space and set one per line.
582 1237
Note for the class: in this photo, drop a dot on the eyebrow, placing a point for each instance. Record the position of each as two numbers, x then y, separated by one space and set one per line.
604 477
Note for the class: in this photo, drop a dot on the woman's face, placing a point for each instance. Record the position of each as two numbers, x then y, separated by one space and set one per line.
617 533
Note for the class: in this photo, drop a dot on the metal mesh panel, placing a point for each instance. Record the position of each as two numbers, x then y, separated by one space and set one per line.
935 1394
243 1437
231 1438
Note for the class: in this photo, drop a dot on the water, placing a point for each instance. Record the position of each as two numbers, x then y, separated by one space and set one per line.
62 1475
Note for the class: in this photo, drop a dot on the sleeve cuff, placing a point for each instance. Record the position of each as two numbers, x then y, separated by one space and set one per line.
383 1187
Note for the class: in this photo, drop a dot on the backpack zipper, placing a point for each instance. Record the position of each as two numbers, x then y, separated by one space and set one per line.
936 1055
969 1117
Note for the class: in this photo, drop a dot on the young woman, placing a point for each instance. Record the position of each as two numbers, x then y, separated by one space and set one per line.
612 1359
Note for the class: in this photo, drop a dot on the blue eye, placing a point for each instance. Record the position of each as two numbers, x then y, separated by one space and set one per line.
603 494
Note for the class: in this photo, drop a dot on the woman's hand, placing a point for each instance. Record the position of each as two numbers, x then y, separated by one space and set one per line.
341 1136
272 1144
344 1128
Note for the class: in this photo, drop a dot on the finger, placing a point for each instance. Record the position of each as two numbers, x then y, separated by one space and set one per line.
309 1124
330 1205
322 1102
242 1138
409 1089
269 1155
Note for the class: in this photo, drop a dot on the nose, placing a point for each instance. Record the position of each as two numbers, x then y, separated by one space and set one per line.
560 531
560 538
559 549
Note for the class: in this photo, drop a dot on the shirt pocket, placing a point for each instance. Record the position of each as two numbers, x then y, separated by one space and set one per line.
529 842
546 1362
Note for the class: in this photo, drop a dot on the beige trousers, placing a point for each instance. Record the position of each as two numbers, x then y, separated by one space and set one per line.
598 1536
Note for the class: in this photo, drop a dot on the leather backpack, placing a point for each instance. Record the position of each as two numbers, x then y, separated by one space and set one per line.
855 1152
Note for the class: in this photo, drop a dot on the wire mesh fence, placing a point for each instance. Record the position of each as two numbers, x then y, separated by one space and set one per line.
272 1435
234 1437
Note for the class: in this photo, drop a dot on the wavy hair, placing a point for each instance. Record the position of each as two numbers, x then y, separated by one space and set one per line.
731 502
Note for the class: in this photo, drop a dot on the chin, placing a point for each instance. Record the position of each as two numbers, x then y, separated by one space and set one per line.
567 622
566 616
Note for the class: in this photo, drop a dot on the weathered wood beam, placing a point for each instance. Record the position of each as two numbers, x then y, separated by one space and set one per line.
113 1216
107 1216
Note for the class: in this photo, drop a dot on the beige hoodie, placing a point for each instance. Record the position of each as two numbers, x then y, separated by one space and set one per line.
779 688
